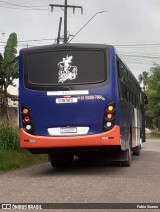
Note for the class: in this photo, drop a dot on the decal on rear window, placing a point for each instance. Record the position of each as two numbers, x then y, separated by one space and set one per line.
66 71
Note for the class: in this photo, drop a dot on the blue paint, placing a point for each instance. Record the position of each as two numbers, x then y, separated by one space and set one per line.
46 113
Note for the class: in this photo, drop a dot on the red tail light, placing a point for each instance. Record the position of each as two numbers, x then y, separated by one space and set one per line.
109 116
27 121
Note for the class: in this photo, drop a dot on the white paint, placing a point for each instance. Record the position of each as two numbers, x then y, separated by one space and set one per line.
137 126
66 71
63 93
57 131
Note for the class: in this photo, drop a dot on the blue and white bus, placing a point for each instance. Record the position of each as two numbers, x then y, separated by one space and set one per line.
78 98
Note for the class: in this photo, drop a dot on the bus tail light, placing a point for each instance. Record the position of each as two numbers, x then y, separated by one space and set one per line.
109 124
110 108
28 127
109 117
26 120
25 111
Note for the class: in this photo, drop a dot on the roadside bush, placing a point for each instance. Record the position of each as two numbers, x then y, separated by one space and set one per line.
9 137
11 156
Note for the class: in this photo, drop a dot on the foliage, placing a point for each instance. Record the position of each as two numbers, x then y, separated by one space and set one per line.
143 79
9 137
8 70
11 156
153 92
9 62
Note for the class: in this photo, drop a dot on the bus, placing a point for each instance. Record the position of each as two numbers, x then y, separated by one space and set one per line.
79 99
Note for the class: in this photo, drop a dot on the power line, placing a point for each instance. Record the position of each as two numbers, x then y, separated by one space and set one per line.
116 45
21 7
14 8
8 3
33 40
140 56
138 44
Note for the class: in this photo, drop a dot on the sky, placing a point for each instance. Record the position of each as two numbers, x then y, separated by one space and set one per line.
133 26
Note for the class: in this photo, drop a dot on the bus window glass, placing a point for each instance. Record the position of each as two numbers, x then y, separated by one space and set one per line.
66 67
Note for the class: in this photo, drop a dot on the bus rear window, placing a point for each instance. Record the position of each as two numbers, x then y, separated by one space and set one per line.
65 67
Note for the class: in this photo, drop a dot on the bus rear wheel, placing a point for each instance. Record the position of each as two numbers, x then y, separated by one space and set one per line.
127 162
61 160
136 150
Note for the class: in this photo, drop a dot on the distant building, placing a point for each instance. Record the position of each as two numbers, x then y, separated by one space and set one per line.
13 91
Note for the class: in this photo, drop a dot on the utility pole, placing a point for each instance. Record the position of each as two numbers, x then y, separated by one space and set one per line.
65 6
65 22
59 30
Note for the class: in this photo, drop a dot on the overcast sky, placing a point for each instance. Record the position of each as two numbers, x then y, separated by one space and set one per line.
133 26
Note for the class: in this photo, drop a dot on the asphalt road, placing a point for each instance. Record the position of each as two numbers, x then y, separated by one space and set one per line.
92 183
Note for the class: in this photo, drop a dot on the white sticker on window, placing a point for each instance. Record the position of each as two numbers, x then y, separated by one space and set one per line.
66 71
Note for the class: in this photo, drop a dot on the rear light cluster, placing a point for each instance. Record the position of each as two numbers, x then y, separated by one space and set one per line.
27 120
109 117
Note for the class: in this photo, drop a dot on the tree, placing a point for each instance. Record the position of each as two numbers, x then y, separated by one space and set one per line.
143 79
153 93
8 71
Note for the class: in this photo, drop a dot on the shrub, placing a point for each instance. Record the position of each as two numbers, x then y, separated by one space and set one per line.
9 137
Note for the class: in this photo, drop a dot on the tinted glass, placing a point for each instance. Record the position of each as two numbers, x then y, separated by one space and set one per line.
66 67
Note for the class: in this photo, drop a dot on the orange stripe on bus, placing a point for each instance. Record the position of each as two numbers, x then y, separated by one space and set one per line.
108 138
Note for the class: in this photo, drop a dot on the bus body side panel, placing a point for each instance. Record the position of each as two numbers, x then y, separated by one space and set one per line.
130 121
114 81
130 124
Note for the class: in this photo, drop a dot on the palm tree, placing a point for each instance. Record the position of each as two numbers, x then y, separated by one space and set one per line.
8 70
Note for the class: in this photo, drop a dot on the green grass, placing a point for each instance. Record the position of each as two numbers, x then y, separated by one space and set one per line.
11 157
155 134
9 137
14 159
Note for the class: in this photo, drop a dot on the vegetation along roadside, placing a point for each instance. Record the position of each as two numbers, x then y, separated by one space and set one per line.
11 157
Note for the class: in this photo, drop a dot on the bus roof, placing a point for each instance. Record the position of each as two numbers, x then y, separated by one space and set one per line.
66 46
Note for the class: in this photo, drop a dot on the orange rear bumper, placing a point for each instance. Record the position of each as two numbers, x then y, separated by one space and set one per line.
109 138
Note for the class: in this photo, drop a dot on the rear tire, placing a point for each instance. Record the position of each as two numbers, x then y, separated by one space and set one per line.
137 150
127 162
61 160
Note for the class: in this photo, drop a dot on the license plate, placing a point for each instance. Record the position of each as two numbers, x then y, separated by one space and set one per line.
68 130
66 100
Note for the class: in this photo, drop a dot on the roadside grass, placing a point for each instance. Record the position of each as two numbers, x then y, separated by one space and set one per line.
155 134
15 159
11 156
9 137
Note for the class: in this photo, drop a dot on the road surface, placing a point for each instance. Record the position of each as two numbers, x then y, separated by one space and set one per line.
92 183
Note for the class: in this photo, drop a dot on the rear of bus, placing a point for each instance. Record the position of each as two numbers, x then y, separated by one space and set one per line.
68 97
